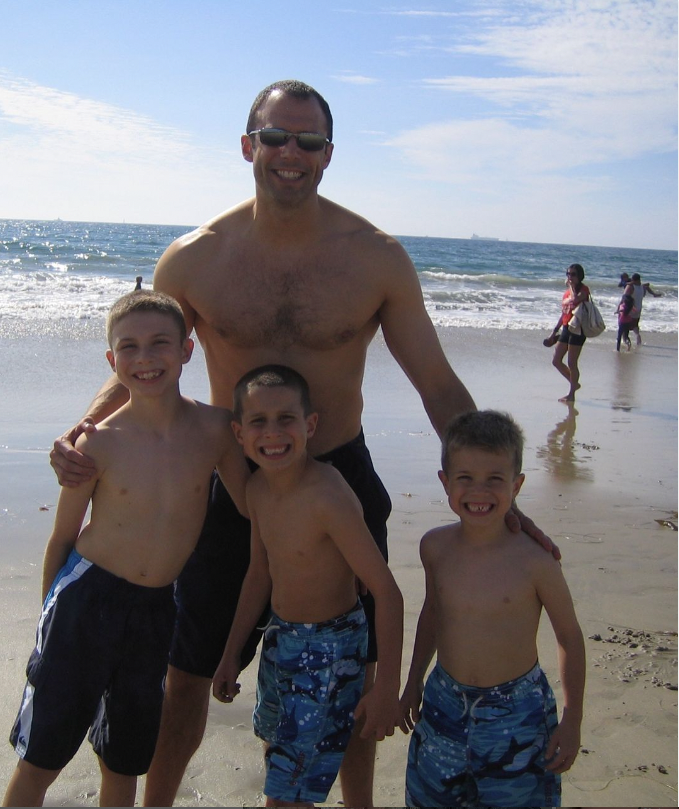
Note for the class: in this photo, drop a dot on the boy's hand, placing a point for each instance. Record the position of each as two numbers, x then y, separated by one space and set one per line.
563 747
517 521
224 685
72 467
410 703
379 710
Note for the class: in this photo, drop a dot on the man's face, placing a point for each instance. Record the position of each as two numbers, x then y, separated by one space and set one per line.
287 174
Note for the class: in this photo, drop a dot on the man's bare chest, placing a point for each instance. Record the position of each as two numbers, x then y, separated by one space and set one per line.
304 304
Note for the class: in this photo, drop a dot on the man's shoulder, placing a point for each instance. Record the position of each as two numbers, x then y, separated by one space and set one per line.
344 223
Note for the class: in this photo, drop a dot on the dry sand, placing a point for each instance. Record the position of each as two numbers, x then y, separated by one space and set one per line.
599 478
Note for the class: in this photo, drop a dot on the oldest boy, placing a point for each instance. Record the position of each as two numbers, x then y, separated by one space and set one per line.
104 635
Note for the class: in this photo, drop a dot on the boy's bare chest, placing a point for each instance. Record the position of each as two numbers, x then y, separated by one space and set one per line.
305 300
483 587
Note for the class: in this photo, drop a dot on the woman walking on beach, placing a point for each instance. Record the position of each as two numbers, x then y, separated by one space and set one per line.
569 343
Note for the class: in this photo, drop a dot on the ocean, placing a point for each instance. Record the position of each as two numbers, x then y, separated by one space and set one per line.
61 277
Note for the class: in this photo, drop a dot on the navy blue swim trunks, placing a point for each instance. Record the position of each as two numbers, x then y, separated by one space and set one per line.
208 587
101 655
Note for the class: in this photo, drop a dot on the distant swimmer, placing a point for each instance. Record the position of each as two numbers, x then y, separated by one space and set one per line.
138 280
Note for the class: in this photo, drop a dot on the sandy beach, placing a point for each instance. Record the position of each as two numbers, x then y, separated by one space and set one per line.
601 480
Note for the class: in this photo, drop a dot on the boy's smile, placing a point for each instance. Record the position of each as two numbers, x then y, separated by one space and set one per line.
273 429
147 351
480 485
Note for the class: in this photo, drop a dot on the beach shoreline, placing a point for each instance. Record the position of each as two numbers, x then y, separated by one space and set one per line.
599 477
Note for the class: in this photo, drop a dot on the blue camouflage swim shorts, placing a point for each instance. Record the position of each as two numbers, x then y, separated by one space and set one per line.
310 681
483 746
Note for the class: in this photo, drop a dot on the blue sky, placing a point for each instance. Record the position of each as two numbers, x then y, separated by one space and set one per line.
551 121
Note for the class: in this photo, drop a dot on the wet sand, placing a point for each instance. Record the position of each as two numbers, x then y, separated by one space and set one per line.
601 479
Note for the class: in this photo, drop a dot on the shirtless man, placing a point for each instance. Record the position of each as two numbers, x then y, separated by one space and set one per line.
287 277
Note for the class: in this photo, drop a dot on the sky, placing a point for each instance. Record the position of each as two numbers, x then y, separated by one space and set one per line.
551 121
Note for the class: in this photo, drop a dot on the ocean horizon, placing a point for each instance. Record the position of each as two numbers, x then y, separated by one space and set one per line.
58 275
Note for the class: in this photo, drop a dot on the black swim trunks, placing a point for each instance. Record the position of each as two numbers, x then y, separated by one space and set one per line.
100 661
208 587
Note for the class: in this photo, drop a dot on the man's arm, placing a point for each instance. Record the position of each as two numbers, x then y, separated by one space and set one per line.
411 338
72 467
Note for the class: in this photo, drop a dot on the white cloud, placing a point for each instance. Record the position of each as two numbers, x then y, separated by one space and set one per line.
594 82
85 156
355 78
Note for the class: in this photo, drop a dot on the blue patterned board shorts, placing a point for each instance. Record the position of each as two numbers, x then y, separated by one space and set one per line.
310 681
483 746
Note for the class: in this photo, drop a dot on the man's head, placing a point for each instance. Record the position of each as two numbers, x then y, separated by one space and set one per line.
295 89
273 418
288 144
636 278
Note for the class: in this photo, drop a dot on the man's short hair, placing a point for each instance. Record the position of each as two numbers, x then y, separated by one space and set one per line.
271 376
636 277
145 300
296 89
488 430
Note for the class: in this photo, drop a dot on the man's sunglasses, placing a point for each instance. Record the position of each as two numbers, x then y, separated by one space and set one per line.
309 141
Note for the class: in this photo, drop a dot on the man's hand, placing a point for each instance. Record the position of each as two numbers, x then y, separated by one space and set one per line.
72 467
517 521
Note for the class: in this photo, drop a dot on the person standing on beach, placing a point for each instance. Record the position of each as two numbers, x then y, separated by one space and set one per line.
261 283
309 544
485 726
568 342
108 613
638 292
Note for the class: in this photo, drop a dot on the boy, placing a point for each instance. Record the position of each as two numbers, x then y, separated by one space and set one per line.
487 733
108 608
309 543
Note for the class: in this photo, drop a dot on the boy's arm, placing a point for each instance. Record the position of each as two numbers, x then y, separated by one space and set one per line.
254 596
423 651
342 516
553 591
71 510
232 466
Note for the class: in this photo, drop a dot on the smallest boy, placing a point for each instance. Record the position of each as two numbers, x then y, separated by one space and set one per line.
309 543
487 733
108 608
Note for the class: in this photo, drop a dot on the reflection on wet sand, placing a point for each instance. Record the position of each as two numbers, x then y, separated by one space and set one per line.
559 452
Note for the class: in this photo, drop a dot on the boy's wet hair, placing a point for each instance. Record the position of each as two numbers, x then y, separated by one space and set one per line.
271 376
145 300
488 430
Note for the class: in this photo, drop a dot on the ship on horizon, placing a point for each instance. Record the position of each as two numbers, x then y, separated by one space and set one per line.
484 238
